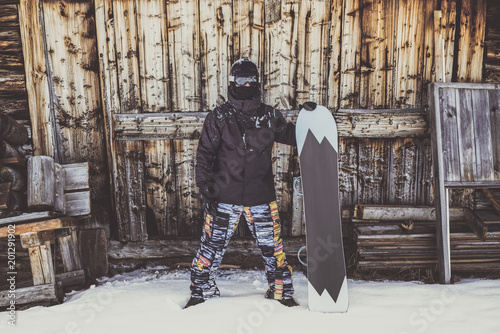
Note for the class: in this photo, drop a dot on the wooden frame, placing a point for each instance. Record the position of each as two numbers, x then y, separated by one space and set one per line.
446 144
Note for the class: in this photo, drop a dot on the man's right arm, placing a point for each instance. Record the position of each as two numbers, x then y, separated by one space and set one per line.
205 156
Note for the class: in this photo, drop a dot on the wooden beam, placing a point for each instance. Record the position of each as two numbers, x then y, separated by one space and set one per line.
41 173
386 123
72 279
37 78
77 176
34 239
157 249
402 212
476 224
78 203
45 293
27 217
441 193
51 224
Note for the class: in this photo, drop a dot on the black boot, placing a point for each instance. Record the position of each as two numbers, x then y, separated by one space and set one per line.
290 302
194 301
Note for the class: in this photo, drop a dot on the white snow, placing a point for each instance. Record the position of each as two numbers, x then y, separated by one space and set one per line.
150 301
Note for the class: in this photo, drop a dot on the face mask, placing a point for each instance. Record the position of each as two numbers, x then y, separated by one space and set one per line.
245 92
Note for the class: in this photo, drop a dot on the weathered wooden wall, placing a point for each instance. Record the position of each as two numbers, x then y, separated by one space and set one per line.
162 57
62 80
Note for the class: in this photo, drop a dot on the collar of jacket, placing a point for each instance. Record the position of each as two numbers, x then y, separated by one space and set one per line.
248 107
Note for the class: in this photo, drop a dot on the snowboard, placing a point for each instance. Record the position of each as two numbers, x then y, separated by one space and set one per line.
317 143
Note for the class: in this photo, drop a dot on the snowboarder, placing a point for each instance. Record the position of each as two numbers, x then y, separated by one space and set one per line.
234 176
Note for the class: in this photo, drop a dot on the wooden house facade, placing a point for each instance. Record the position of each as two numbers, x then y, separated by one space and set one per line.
126 84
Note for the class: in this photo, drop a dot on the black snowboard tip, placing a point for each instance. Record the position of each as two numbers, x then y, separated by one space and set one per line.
309 106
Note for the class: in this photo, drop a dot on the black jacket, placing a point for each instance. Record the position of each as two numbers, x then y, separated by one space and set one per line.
233 161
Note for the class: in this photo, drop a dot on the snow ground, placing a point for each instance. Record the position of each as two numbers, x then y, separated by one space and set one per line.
150 301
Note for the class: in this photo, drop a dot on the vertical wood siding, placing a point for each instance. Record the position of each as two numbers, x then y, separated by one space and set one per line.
62 76
159 56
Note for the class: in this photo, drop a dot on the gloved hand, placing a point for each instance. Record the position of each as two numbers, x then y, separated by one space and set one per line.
309 106
207 203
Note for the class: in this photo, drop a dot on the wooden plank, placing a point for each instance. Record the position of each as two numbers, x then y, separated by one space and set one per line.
215 50
466 85
281 37
348 170
59 180
403 212
45 293
189 212
483 136
93 247
350 62
334 66
494 99
50 224
129 157
356 123
27 217
41 264
153 50
283 163
402 164
41 173
471 42
472 184
372 169
184 54
441 194
37 84
36 239
248 30
78 204
408 54
377 53
110 90
466 136
161 187
449 128
428 69
317 50
68 247
73 279
76 176
439 48
424 176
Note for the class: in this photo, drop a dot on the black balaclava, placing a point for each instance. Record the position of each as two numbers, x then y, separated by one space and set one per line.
241 69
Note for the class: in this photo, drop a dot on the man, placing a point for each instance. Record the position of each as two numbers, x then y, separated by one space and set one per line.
234 176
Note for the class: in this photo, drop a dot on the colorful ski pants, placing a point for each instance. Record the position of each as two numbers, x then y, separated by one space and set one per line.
265 226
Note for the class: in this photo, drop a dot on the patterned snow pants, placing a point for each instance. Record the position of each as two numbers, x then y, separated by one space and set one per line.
265 226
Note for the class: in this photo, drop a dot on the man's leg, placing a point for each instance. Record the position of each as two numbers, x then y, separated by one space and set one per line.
264 223
218 229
